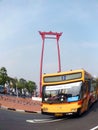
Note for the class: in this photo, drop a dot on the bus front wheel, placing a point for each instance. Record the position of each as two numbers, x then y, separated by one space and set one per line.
79 112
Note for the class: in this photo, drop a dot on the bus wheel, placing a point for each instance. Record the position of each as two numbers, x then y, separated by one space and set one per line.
88 106
79 112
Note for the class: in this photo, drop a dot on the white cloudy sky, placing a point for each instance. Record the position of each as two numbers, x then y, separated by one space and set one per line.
20 42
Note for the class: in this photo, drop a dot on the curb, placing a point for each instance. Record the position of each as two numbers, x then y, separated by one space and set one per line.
18 110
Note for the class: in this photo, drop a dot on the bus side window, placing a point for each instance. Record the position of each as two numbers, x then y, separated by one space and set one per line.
88 84
84 90
93 86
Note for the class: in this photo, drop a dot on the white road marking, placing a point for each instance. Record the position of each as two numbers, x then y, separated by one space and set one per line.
43 120
95 128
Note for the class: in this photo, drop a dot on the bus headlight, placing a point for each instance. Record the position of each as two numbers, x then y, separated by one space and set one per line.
74 109
45 109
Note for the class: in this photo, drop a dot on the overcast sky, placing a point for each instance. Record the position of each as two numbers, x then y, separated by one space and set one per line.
21 44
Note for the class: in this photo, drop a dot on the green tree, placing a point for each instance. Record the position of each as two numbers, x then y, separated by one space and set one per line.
15 83
21 83
3 75
31 86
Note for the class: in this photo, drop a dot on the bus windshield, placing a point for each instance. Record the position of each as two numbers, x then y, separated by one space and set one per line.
62 93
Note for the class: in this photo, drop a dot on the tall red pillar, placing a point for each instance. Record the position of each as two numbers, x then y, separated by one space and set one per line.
49 35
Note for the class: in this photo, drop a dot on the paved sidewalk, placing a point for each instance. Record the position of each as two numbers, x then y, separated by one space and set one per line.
20 104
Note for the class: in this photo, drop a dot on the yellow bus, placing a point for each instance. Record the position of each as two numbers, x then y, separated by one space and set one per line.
66 93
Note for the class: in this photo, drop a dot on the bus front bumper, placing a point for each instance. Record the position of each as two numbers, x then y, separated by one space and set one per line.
59 109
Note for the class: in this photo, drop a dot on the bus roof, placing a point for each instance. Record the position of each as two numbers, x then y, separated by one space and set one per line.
65 72
67 76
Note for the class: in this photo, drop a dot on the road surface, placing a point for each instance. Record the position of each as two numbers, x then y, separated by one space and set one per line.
12 120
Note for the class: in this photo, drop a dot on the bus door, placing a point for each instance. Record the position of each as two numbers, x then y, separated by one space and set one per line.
93 91
85 92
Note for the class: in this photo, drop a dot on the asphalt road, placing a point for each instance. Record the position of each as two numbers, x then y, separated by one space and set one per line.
12 120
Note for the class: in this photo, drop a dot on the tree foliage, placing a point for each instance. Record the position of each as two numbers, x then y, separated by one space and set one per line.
14 82
3 75
29 85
